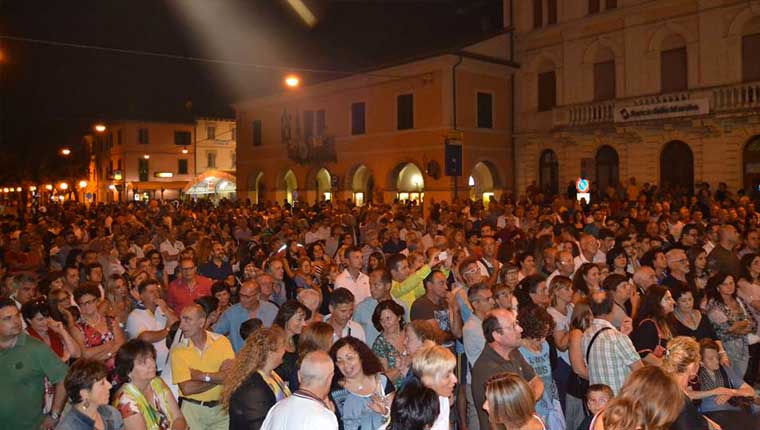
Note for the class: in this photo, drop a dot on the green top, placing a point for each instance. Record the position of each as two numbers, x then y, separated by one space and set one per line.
411 288
23 370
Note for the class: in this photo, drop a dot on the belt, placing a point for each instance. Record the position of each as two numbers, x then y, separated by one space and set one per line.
207 403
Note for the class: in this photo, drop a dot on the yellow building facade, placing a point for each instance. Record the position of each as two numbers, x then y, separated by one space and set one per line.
665 91
381 135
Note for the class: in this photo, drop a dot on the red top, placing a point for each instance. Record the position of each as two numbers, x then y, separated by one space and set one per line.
179 295
56 343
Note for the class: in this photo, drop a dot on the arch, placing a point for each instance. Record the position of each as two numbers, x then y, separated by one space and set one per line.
592 53
362 184
548 172
607 168
751 164
677 166
668 34
323 184
482 180
289 185
543 62
409 182
253 185
744 21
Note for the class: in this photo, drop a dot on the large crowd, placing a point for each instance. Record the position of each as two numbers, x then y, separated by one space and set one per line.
640 310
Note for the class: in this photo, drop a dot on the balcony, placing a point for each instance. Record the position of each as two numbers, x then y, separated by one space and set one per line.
727 98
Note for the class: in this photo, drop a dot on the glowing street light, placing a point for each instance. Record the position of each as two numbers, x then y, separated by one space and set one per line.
112 187
18 189
82 184
100 128
5 190
184 150
32 188
64 186
49 187
292 81
65 151
146 156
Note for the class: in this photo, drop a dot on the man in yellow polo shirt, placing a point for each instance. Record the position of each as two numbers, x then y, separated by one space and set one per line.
199 365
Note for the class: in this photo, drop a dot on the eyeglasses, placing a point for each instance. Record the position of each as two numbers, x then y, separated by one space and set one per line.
87 302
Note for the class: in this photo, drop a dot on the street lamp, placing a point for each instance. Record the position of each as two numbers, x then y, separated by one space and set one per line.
82 184
146 156
65 151
184 150
64 186
100 128
49 187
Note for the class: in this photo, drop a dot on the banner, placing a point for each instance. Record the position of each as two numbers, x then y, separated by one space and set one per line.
662 110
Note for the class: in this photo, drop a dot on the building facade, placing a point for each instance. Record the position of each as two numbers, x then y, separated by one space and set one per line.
383 135
139 160
665 91
215 152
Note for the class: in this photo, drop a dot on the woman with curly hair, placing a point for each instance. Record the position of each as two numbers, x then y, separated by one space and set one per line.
388 318
252 386
537 324
361 392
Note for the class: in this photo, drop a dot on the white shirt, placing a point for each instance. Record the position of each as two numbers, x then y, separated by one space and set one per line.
140 320
442 422
299 413
359 287
171 248
352 328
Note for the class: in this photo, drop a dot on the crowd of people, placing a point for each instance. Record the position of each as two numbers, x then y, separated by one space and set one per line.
640 310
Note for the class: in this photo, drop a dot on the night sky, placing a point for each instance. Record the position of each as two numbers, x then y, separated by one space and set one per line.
51 95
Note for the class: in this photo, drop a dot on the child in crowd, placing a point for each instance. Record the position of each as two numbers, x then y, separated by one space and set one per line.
596 399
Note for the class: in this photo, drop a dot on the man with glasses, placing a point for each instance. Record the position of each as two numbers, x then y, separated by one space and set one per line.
188 287
565 266
250 306
500 354
678 267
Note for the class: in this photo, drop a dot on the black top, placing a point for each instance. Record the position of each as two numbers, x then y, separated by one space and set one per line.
250 403
704 330
646 338
689 418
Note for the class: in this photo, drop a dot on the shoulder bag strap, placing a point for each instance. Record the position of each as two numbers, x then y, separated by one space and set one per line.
593 339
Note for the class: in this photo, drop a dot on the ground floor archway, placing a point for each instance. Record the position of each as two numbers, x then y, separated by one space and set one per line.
548 172
751 163
607 168
323 181
482 182
289 186
677 166
410 184
362 185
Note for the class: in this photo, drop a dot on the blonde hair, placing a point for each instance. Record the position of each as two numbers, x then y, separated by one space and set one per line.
251 358
511 403
682 352
556 284
434 361
647 400
316 336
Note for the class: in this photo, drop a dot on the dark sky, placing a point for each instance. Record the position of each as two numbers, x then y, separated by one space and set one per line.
51 95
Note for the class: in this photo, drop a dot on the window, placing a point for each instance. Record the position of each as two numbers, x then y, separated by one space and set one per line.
182 138
405 112
211 160
538 13
321 122
142 136
358 120
593 6
308 123
604 80
751 57
673 70
211 133
547 91
233 160
485 110
257 132
119 136
610 4
142 169
182 166
551 12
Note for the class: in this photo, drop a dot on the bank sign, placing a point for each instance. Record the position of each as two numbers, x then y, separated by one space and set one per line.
662 110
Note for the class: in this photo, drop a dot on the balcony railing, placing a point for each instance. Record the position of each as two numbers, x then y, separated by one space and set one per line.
722 99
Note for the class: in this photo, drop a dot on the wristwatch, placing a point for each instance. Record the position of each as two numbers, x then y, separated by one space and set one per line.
206 378
54 415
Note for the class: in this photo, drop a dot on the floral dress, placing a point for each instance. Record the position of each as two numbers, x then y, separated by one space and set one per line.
93 337
736 346
384 349
129 400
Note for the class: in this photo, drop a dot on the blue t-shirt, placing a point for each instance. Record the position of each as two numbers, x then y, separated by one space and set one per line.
541 364
231 320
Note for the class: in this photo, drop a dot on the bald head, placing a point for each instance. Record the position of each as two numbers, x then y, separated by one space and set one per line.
316 373
644 277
